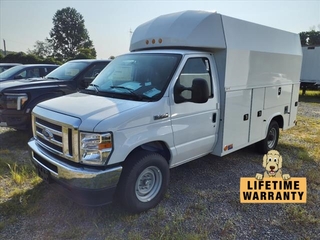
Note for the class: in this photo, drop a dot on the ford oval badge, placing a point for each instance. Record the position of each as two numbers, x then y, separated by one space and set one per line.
47 134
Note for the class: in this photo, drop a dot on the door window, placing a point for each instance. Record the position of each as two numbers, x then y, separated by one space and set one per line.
22 74
33 72
194 68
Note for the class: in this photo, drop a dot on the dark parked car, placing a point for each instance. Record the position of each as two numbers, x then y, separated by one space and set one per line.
6 66
27 71
19 97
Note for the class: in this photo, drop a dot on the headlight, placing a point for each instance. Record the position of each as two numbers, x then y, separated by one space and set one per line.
16 101
95 148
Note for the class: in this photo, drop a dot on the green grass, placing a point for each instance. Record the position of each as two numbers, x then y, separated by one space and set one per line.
21 174
310 96
17 176
303 142
304 139
300 216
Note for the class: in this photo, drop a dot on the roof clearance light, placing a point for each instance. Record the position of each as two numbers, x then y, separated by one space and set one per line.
153 41
160 40
147 42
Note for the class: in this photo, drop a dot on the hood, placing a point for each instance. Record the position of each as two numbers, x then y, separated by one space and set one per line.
27 83
91 109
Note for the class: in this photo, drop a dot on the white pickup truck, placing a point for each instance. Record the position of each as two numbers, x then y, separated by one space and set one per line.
194 83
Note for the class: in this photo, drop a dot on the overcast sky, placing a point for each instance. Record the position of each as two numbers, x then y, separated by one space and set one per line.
109 23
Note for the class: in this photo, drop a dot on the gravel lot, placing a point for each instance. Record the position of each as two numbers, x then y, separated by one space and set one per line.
309 109
202 202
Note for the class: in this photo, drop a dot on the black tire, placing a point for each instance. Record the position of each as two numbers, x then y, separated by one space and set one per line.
144 181
271 140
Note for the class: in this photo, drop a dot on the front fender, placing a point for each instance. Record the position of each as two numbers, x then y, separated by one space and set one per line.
126 141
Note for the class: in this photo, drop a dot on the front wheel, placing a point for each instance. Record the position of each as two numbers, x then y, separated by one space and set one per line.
271 140
144 181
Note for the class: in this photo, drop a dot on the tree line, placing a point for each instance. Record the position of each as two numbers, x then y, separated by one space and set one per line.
68 39
311 38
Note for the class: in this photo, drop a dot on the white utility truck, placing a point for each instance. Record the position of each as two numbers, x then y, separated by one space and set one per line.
194 83
310 69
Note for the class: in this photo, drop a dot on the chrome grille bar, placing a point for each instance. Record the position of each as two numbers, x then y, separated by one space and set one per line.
57 137
54 133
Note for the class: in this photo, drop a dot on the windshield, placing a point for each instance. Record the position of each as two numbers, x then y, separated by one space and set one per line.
5 67
136 76
10 72
67 71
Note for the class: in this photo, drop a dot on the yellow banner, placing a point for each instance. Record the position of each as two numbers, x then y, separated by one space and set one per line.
273 190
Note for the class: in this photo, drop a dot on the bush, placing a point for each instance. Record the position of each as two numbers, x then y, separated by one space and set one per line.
23 58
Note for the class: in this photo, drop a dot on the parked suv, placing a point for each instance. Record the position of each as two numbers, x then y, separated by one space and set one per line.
27 71
6 66
19 97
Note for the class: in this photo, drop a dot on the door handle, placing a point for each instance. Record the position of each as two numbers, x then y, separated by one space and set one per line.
214 117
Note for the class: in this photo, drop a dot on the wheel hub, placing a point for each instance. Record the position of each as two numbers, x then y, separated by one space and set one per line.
272 138
148 184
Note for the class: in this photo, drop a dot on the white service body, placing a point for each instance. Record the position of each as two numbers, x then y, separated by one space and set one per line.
253 78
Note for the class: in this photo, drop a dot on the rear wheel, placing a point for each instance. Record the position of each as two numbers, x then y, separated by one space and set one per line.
271 140
144 181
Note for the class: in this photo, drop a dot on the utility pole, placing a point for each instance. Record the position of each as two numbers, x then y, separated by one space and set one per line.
4 47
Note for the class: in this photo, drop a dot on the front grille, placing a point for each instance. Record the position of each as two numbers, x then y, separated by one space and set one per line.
45 163
59 138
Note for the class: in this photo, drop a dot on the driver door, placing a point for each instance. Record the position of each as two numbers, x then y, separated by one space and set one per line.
194 125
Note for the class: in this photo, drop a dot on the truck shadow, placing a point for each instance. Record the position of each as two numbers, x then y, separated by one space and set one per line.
13 139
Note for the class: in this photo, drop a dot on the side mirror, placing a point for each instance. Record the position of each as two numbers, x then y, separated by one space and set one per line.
84 83
199 92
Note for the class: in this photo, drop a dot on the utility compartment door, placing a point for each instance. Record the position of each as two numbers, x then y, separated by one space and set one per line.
278 96
278 100
294 104
257 123
237 120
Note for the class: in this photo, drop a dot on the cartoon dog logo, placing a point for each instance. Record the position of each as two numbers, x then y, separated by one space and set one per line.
272 162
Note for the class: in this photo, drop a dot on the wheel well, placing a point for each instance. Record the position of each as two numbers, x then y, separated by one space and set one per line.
279 120
156 146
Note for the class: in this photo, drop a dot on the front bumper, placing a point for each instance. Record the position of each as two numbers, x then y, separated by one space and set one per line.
14 118
85 185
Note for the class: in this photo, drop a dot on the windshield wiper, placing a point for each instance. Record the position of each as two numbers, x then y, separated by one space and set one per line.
129 90
55 78
95 86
